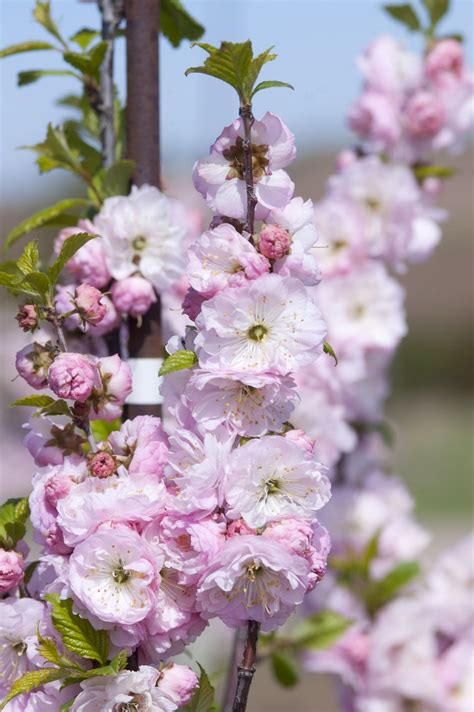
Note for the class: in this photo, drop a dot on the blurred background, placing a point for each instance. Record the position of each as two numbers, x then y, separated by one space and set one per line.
317 42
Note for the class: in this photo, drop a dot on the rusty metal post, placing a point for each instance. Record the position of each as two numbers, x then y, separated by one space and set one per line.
143 147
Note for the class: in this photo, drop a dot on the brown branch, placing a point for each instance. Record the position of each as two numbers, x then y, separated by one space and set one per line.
238 643
246 670
111 12
247 118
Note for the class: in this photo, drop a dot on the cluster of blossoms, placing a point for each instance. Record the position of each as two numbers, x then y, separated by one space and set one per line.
377 217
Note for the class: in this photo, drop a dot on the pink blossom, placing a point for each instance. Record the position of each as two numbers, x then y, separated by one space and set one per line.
220 180
445 62
64 304
341 227
252 578
424 115
19 622
304 441
223 257
110 321
116 379
88 301
27 317
192 303
388 67
40 442
57 487
88 264
270 326
143 442
11 570
133 295
375 116
102 464
179 683
33 362
114 574
273 242
73 376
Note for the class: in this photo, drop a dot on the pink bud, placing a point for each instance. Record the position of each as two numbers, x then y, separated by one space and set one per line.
33 363
300 438
56 488
102 464
73 376
238 528
424 115
11 570
88 301
27 317
445 62
133 295
274 242
179 682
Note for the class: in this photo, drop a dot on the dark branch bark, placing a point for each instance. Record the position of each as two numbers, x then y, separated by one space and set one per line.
246 670
247 118
240 636
111 12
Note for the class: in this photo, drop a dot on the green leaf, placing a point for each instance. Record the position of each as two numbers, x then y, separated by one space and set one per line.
31 46
35 283
29 571
177 362
404 14
68 250
33 401
29 76
57 407
42 14
13 516
284 670
328 349
29 259
42 218
321 630
177 24
203 697
84 37
31 681
67 705
436 10
269 85
89 63
101 429
422 172
119 662
381 592
116 179
48 648
77 633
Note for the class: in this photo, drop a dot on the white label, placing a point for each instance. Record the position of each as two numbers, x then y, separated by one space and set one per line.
146 382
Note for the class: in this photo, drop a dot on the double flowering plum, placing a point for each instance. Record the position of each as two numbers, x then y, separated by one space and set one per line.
19 622
220 177
12 567
89 263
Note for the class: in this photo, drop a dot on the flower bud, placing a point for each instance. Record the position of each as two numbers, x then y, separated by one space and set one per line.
88 301
11 570
424 115
133 295
73 376
33 363
27 317
239 528
445 62
179 682
102 464
56 488
274 242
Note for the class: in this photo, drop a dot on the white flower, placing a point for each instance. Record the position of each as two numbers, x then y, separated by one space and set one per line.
142 232
114 574
19 619
272 478
269 326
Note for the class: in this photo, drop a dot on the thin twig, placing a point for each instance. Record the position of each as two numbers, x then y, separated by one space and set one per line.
124 336
111 13
246 670
247 118
236 653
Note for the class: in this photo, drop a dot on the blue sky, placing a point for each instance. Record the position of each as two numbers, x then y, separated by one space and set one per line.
316 40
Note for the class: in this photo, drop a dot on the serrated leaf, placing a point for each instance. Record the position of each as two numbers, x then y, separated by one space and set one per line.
328 349
29 259
35 283
77 633
321 630
284 670
68 250
31 46
47 648
89 63
381 592
30 76
177 362
176 24
31 681
437 9
33 401
101 429
404 14
269 85
116 179
42 14
203 697
41 218
57 407
13 516
119 662
84 37
422 172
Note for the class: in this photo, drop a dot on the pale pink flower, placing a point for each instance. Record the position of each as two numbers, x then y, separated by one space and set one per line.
19 621
73 376
88 302
342 237
270 326
142 231
102 464
424 114
304 441
116 380
64 304
144 443
179 682
388 67
271 479
114 574
38 441
445 62
273 242
252 578
251 408
376 117
88 264
33 362
11 570
133 295
27 317
223 257
192 303
220 178
110 321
